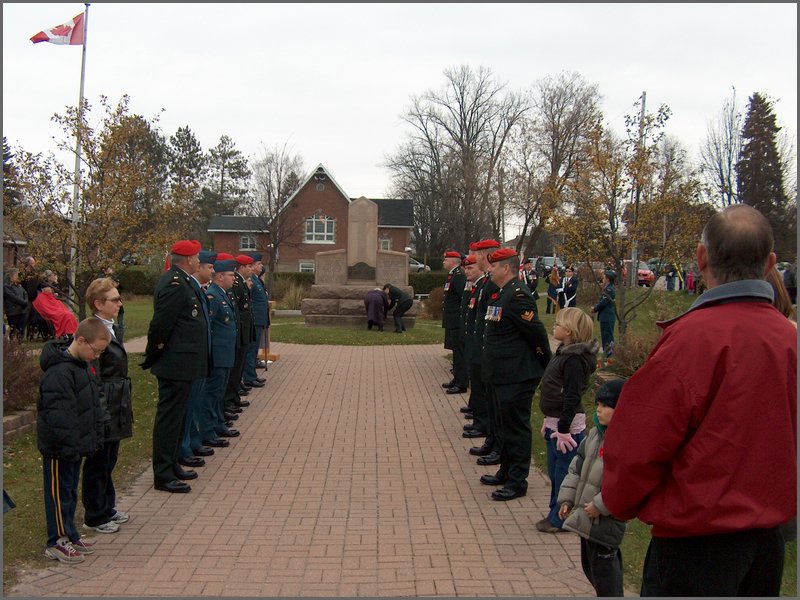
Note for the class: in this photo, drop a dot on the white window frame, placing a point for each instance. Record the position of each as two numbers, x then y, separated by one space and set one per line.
304 264
312 233
246 237
385 244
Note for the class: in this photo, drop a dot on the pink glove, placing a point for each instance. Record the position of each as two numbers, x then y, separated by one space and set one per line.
564 442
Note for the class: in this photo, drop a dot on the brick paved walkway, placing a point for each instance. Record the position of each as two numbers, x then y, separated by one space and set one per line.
351 478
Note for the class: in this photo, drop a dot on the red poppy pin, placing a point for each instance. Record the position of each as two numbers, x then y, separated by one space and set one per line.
493 296
94 372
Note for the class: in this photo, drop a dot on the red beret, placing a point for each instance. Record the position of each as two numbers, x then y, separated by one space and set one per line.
243 259
502 254
224 256
470 260
473 246
486 245
186 248
451 254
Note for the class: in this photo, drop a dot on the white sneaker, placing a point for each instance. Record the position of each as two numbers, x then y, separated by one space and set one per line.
110 527
120 517
64 552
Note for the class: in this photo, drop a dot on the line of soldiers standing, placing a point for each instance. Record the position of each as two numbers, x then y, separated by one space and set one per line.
210 317
500 351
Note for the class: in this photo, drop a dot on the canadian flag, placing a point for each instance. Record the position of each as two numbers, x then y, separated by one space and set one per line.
70 33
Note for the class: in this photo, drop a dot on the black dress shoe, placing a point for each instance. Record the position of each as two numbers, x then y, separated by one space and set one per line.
241 403
261 380
174 486
469 416
203 451
508 494
493 458
233 409
464 409
242 392
262 364
473 433
184 474
468 426
480 451
246 385
492 480
217 443
229 433
255 383
229 424
229 416
449 384
192 461
455 390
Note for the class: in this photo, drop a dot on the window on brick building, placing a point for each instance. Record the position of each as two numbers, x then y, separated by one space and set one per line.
320 229
247 242
306 267
385 244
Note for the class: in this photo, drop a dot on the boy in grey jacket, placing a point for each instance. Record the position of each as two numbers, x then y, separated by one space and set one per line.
601 534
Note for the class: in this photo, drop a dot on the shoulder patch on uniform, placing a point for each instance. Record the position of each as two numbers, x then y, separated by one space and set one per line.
528 315
174 282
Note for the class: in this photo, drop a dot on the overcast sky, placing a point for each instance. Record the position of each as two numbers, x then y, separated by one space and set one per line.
333 79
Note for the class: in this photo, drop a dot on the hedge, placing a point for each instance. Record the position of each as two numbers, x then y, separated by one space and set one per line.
301 279
139 280
423 283
436 263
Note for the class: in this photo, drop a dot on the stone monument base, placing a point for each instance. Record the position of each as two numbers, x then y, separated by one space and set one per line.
343 306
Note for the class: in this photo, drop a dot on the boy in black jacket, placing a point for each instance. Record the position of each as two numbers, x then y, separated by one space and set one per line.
69 425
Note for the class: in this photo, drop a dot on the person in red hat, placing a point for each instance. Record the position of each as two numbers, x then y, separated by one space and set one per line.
177 354
452 323
517 350
232 401
468 312
484 420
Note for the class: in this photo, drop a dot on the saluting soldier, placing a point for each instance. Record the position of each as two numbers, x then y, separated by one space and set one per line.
452 322
224 338
260 311
177 354
240 290
517 351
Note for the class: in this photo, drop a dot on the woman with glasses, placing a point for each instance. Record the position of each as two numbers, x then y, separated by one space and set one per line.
99 496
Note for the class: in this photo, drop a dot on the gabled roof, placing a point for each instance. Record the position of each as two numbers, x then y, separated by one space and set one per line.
394 212
243 224
320 171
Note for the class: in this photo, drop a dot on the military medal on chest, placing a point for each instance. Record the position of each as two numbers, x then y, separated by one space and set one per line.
493 313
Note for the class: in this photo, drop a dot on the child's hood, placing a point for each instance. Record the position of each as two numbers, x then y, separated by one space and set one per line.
586 350
55 352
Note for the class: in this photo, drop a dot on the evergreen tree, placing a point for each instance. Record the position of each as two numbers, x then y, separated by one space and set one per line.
11 195
186 160
759 173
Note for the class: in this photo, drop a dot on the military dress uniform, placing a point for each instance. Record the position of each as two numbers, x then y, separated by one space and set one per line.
177 354
260 312
246 331
607 316
453 328
516 350
224 337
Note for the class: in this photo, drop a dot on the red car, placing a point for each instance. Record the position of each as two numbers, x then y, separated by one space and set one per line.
644 276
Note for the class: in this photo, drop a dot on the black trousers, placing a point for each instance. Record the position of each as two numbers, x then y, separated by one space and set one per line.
399 310
602 566
479 400
745 563
234 379
454 340
168 427
16 326
513 405
98 493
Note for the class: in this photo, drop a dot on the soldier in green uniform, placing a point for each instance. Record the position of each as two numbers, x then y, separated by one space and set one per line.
177 354
474 409
452 323
247 334
517 350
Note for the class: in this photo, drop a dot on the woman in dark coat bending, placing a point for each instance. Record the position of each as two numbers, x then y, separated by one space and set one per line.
99 496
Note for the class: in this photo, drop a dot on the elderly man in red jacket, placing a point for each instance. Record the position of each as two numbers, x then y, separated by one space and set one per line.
703 443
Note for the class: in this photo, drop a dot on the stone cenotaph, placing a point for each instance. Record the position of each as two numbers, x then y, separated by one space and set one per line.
343 277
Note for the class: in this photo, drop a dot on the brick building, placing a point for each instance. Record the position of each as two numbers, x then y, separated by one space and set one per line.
316 221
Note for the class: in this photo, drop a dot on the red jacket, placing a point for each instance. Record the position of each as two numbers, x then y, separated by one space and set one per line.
703 440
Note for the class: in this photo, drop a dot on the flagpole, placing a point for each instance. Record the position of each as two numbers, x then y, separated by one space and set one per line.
77 179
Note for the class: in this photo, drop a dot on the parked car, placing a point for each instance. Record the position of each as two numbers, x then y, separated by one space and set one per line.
644 275
414 266
544 264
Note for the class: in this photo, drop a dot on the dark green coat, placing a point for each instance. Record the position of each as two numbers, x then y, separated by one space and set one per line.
453 289
472 344
515 343
177 339
244 302
485 288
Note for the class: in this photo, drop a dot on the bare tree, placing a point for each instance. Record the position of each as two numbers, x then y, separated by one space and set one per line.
720 151
451 159
275 179
549 145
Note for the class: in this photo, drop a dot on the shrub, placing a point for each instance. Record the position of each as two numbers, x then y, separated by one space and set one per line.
434 305
630 352
424 283
301 279
436 263
139 280
21 375
291 295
